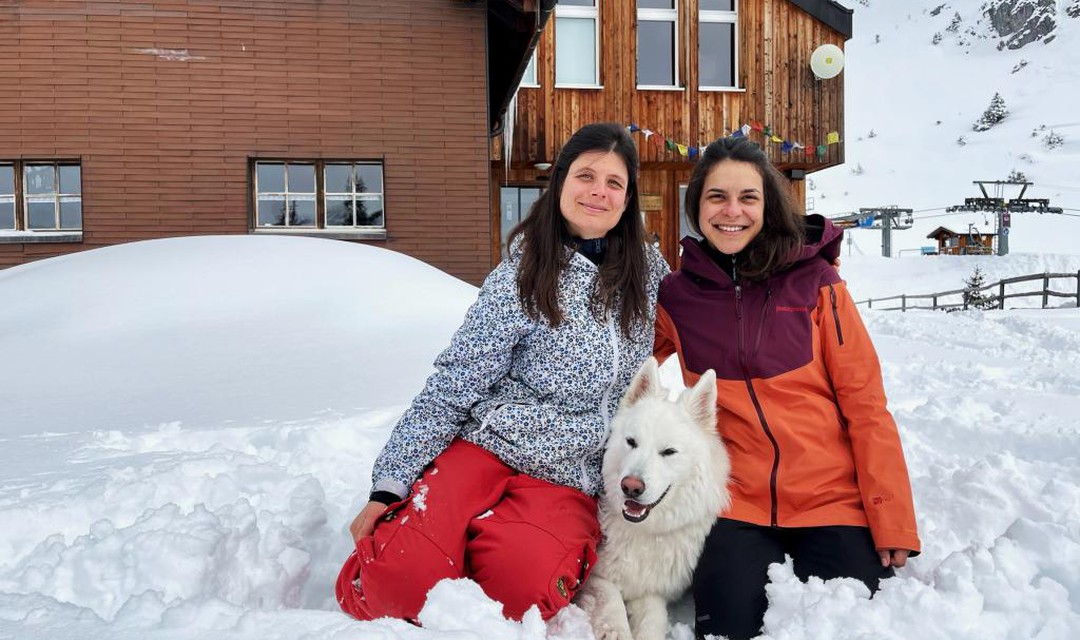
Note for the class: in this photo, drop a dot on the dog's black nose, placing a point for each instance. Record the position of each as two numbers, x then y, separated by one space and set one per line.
632 487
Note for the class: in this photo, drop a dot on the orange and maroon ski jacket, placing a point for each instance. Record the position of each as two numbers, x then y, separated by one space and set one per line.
802 406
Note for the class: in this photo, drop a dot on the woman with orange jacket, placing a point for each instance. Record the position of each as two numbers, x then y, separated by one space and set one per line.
817 468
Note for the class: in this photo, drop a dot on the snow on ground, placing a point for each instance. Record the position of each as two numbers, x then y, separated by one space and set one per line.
187 426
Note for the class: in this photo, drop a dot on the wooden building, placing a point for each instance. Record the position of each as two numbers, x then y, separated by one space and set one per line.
682 72
357 119
972 243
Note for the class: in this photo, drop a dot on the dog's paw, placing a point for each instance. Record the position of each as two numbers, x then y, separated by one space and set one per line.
606 632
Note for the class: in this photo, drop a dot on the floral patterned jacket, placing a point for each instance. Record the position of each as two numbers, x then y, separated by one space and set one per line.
538 397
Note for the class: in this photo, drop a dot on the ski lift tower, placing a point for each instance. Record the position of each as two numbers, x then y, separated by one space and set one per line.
884 218
1003 209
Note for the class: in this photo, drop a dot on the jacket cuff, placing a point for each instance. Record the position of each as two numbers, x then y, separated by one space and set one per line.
393 487
897 539
386 497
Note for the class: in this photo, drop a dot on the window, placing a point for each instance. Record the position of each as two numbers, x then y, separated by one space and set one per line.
40 196
718 44
684 225
7 197
338 195
529 79
577 43
657 43
516 202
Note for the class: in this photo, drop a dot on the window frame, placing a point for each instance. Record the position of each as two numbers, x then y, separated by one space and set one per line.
319 228
572 11
20 200
659 15
721 17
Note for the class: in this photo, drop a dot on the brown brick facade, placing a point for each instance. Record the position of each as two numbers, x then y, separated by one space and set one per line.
165 102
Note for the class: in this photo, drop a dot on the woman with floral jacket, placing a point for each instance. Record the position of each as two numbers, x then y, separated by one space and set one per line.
493 470
817 469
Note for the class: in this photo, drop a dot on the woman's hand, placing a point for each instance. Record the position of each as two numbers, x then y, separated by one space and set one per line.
364 524
895 557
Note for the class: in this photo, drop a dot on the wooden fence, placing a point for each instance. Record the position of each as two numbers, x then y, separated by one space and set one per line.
997 300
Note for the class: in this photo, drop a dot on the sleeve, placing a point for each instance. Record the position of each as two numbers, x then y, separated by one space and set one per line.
479 354
666 341
853 366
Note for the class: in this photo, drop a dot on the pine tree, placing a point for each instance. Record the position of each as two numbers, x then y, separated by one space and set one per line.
994 114
973 297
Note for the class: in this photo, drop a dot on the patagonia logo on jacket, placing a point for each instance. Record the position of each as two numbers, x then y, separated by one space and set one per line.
793 309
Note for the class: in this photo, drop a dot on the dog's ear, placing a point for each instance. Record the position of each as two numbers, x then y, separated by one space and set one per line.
646 382
700 401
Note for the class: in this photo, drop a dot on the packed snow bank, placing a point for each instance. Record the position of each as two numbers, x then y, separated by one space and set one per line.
217 330
201 526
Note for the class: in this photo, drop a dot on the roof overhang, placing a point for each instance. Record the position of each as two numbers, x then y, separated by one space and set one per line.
514 29
836 16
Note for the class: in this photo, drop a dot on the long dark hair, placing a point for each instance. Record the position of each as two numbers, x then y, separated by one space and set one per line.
780 240
620 285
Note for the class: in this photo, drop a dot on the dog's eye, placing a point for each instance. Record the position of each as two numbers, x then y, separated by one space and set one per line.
668 452
630 442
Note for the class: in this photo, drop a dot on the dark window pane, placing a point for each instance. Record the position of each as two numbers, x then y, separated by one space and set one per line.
7 215
42 215
7 180
271 212
70 179
717 54
40 178
270 177
656 4
338 178
339 212
70 213
578 3
301 178
717 5
302 212
369 211
369 178
656 53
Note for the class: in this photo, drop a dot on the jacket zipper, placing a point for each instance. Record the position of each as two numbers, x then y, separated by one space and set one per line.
761 325
757 403
836 315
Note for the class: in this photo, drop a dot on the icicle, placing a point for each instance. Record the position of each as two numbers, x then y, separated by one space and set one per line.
508 133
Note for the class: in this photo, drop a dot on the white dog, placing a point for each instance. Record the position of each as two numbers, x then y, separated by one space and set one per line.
665 482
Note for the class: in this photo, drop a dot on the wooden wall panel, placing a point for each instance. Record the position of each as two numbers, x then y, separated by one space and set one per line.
776 87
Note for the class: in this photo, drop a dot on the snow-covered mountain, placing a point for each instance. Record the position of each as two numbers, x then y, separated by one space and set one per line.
919 75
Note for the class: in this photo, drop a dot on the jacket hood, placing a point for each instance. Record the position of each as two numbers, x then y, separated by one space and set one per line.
823 239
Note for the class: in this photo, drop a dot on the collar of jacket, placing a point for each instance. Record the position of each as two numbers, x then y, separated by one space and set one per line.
574 257
823 239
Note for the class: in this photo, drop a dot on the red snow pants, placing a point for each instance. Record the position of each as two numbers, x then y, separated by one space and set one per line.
524 541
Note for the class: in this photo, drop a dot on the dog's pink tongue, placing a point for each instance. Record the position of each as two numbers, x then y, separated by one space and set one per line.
633 508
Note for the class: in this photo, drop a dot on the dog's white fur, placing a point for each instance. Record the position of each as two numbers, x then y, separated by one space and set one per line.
668 446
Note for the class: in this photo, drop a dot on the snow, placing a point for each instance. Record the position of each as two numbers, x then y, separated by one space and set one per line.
189 428
918 98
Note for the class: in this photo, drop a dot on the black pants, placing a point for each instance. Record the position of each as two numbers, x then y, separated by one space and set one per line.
729 583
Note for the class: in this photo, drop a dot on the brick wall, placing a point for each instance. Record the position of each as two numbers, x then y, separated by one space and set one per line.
164 102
